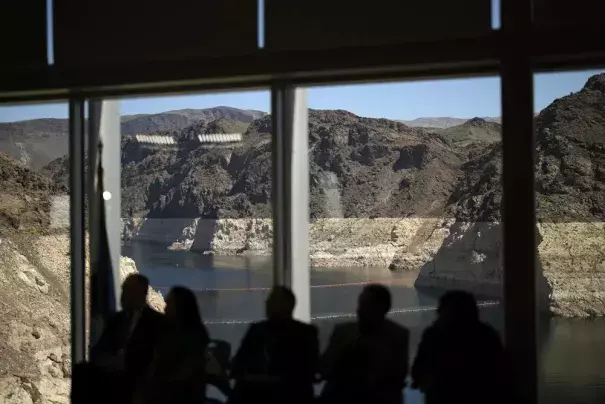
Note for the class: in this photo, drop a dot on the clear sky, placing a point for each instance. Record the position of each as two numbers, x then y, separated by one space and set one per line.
464 98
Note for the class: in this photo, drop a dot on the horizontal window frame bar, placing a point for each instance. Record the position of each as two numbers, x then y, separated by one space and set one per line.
420 61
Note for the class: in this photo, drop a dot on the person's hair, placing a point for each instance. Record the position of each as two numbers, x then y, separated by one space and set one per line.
285 295
140 280
186 308
380 295
460 305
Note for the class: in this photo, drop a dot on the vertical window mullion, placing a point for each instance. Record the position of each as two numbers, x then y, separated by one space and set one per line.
77 230
518 214
278 189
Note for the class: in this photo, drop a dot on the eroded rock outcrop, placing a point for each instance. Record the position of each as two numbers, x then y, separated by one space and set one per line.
401 244
573 261
34 326
570 185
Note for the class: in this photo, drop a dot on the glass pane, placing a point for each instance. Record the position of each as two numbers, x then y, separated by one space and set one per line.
196 201
34 255
405 191
570 185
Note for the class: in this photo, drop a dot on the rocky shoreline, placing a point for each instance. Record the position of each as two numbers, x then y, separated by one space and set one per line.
446 253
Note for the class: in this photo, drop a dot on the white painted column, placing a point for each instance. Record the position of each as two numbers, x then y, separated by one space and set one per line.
104 127
298 131
291 194
110 134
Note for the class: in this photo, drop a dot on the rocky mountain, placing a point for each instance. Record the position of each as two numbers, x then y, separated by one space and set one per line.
34 287
474 132
35 142
442 122
570 169
38 142
182 118
365 167
570 196
359 167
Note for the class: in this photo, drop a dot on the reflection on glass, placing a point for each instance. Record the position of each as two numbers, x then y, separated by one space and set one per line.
34 253
570 184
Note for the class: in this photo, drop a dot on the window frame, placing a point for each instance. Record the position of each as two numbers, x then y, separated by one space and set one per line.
516 52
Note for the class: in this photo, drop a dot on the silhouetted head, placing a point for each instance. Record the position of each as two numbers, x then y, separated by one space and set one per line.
134 292
458 307
280 303
182 309
374 303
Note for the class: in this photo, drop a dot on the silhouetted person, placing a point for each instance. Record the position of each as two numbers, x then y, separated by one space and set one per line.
177 373
460 359
367 361
277 360
126 346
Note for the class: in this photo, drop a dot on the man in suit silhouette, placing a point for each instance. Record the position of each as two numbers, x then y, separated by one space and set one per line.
367 361
125 349
278 358
460 359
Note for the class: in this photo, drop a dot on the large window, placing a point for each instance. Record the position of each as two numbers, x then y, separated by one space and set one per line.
34 254
405 190
570 184
196 201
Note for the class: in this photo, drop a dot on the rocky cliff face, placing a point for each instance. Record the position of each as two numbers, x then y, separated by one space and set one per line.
570 142
34 326
360 167
34 287
26 199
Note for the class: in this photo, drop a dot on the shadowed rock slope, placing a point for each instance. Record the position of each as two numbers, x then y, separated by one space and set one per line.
359 167
34 287
570 185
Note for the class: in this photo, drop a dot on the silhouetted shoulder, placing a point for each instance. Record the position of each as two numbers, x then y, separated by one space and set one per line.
305 328
152 314
396 329
429 334
259 325
489 331
347 328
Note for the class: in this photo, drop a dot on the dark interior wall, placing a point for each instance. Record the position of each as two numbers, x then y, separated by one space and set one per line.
22 34
114 32
312 24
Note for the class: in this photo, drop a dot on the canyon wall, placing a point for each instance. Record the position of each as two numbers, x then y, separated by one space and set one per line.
447 253
34 326
403 244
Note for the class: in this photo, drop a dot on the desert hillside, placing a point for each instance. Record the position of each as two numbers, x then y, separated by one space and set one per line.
34 287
